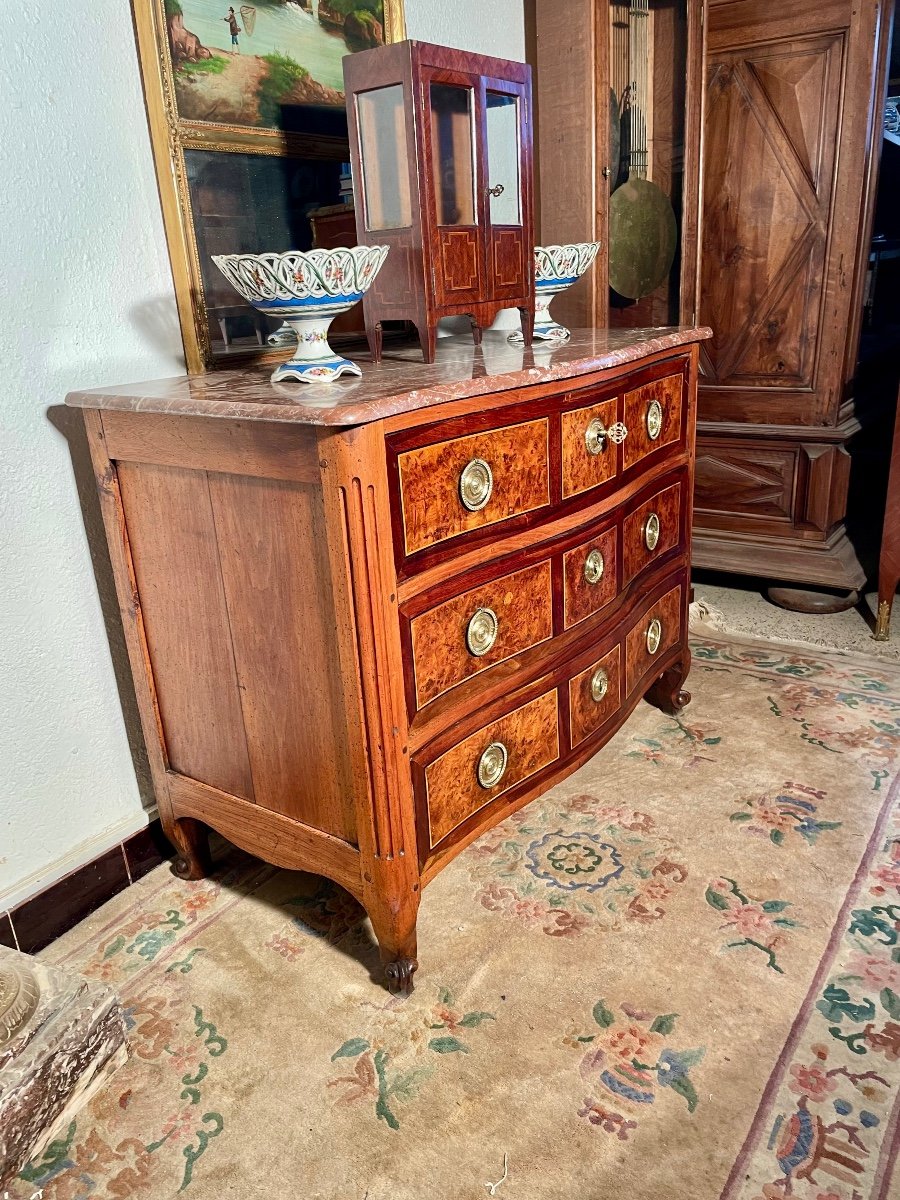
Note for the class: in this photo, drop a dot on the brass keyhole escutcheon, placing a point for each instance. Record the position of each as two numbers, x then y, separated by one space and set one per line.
496 191
596 435
654 420
599 685
594 567
492 765
651 531
654 635
481 631
476 483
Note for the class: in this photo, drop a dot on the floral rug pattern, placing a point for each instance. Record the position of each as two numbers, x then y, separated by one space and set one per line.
681 966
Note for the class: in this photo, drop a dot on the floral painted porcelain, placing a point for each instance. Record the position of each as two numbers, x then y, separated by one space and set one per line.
307 289
555 269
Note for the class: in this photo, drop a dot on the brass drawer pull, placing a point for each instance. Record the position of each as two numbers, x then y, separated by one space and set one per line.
599 685
651 531
492 765
594 567
476 482
654 635
654 420
596 434
481 631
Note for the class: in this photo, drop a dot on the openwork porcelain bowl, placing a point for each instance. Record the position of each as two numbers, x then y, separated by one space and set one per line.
307 289
555 269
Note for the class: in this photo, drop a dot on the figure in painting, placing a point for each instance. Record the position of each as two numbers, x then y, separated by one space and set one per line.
233 26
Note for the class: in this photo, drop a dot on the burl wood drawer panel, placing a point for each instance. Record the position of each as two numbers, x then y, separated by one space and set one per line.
651 530
530 738
471 632
594 695
582 469
590 573
651 636
430 482
653 417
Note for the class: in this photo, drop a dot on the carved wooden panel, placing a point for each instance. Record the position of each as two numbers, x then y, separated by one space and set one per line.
508 253
586 712
745 479
460 277
523 606
639 407
581 595
530 735
638 528
580 469
639 657
432 510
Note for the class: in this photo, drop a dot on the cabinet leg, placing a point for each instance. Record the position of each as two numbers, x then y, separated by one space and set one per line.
396 934
477 332
375 338
527 325
191 839
667 693
428 341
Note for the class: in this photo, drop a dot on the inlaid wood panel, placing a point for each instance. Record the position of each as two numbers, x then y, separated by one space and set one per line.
668 393
669 611
432 510
585 713
460 276
531 737
743 478
636 554
176 562
581 469
581 597
508 250
523 605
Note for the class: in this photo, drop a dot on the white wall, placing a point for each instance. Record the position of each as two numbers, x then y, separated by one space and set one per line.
87 300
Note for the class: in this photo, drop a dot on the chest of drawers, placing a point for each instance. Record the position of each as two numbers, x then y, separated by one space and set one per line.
367 622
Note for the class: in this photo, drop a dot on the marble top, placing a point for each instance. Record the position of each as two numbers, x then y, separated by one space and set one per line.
400 383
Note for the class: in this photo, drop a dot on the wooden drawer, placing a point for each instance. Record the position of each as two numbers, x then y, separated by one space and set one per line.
594 695
586 460
530 737
640 651
651 530
583 592
511 463
449 640
653 415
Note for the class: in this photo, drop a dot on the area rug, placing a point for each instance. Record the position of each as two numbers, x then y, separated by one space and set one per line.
677 974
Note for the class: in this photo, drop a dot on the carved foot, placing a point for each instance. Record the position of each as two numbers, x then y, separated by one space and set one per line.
399 975
883 623
192 842
809 600
668 693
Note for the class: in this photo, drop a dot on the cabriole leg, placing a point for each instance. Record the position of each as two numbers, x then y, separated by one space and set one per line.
191 839
667 693
396 934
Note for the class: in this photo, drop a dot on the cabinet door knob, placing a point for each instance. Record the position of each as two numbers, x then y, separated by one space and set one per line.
594 567
492 765
654 635
476 482
481 631
599 685
651 531
596 434
654 420
496 191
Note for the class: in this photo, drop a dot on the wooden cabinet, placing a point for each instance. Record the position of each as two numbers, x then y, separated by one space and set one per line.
353 653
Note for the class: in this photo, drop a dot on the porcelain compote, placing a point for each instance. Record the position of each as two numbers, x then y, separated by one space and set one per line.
555 269
307 289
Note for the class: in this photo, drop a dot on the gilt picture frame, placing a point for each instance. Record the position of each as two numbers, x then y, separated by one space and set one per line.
262 83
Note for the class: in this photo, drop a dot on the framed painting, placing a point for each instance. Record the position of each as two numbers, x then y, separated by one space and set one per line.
245 105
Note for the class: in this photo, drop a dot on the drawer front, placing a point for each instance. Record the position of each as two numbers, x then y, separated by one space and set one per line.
651 530
590 577
521 743
450 487
642 648
471 632
594 695
653 417
588 458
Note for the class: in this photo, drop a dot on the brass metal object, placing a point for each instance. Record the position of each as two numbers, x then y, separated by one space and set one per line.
651 531
596 435
594 567
19 995
642 237
654 635
481 631
496 191
654 420
599 685
476 482
492 765
883 622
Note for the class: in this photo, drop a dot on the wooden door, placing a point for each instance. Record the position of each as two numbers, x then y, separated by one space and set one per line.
506 143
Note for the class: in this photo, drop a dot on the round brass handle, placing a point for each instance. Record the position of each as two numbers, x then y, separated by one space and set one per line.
476 482
496 191
651 531
654 635
599 685
594 567
492 765
596 435
654 420
481 631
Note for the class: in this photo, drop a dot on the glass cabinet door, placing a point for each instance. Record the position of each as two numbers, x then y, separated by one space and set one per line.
384 157
453 153
503 156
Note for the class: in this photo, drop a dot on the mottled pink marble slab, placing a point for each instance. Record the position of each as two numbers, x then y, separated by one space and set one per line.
400 383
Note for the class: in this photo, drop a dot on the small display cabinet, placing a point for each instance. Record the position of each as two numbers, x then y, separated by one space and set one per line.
441 147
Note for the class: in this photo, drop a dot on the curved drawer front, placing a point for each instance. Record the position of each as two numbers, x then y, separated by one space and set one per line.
595 695
451 487
590 577
653 417
589 457
486 625
510 750
652 635
651 530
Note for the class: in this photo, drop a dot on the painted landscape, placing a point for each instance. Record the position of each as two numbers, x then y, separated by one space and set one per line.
288 52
